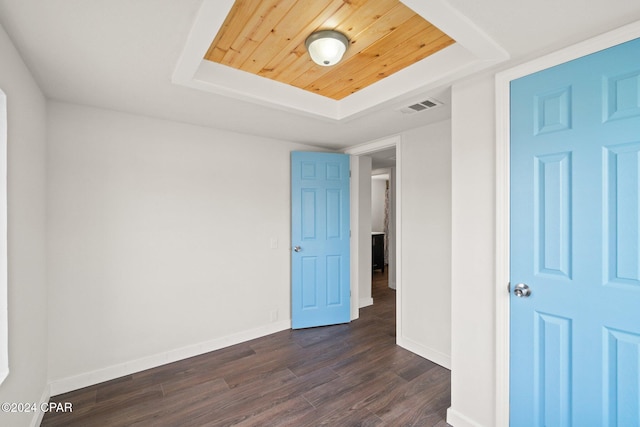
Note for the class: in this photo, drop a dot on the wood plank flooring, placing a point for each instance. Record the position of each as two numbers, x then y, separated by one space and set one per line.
343 375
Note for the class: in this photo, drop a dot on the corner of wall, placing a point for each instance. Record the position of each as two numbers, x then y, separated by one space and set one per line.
39 415
457 419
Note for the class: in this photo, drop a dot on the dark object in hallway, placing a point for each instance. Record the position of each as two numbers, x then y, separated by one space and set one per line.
342 375
377 251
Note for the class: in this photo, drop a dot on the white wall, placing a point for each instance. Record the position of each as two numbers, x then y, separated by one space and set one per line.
378 190
361 179
425 288
27 292
392 229
473 256
160 240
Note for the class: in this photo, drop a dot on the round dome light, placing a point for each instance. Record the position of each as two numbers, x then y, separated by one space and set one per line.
326 48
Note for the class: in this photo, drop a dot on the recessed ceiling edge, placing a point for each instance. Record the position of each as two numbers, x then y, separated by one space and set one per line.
473 51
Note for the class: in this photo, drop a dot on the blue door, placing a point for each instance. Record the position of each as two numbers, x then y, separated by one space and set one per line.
320 293
575 243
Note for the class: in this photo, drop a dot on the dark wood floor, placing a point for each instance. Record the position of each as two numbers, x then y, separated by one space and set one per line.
344 375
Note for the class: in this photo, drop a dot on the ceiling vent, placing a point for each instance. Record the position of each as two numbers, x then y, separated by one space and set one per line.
425 105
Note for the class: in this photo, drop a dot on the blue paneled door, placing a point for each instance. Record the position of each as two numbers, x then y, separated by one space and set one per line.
320 254
575 243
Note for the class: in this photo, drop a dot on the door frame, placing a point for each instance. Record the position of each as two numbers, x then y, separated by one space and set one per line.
502 81
363 150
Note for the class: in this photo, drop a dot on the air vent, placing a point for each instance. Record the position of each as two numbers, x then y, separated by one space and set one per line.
427 104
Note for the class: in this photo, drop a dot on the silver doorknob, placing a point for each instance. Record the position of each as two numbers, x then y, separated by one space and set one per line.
522 290
297 248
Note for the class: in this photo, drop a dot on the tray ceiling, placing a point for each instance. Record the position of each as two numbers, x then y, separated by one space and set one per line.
400 53
267 38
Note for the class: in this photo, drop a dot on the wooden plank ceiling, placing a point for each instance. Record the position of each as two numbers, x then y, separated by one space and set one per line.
267 38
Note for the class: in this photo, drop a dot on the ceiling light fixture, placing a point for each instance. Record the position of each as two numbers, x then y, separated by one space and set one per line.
326 47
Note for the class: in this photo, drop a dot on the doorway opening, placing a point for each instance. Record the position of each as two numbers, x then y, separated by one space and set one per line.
383 262
379 158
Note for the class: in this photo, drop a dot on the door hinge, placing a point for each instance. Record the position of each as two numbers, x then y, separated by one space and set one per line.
509 287
349 173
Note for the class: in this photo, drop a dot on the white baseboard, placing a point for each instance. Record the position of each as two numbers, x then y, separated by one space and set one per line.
456 419
39 415
64 385
365 302
435 356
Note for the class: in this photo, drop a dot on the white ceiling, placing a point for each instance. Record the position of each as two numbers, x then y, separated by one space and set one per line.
122 55
383 159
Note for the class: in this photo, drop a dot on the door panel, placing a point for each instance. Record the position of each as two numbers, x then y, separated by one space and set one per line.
320 229
575 241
